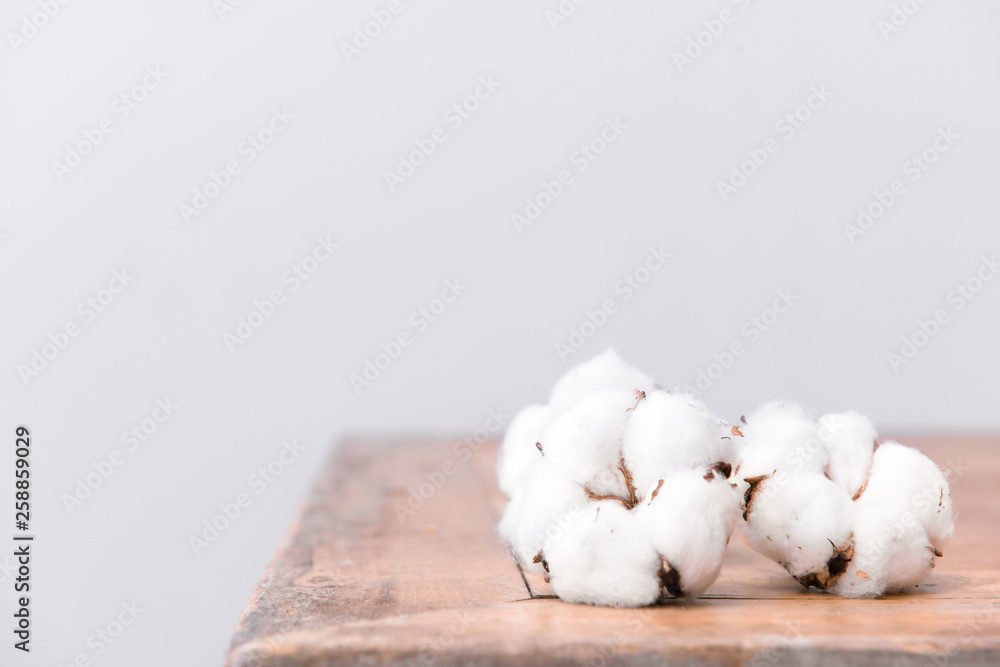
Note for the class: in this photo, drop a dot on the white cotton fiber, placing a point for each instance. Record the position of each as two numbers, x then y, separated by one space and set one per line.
510 521
836 511
603 558
605 371
850 439
904 520
910 565
622 494
780 436
548 501
905 483
801 521
576 468
671 431
689 521
889 555
585 442
518 450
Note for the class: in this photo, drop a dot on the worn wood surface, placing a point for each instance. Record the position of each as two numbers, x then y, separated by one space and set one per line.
356 583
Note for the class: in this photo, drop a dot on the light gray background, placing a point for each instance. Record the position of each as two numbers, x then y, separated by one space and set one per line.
494 347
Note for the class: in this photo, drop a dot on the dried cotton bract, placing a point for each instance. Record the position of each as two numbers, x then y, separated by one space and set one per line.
619 491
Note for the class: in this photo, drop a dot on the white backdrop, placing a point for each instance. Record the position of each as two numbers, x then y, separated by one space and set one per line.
694 169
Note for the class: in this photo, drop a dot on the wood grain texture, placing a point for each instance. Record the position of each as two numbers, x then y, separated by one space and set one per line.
356 583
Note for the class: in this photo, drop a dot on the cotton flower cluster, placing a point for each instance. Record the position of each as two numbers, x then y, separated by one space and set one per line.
619 491
838 511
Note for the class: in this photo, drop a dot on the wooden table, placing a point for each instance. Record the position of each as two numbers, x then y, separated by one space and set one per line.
359 582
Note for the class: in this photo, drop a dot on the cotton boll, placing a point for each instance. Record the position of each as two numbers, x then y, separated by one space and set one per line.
626 497
780 410
510 520
865 577
549 501
911 565
605 371
850 439
518 451
780 436
688 519
905 485
802 521
904 519
670 431
585 442
602 558
889 555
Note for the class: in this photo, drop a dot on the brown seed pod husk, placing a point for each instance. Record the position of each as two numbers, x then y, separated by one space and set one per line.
838 563
629 484
594 496
751 493
670 581
639 395
540 558
652 497
832 570
725 469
